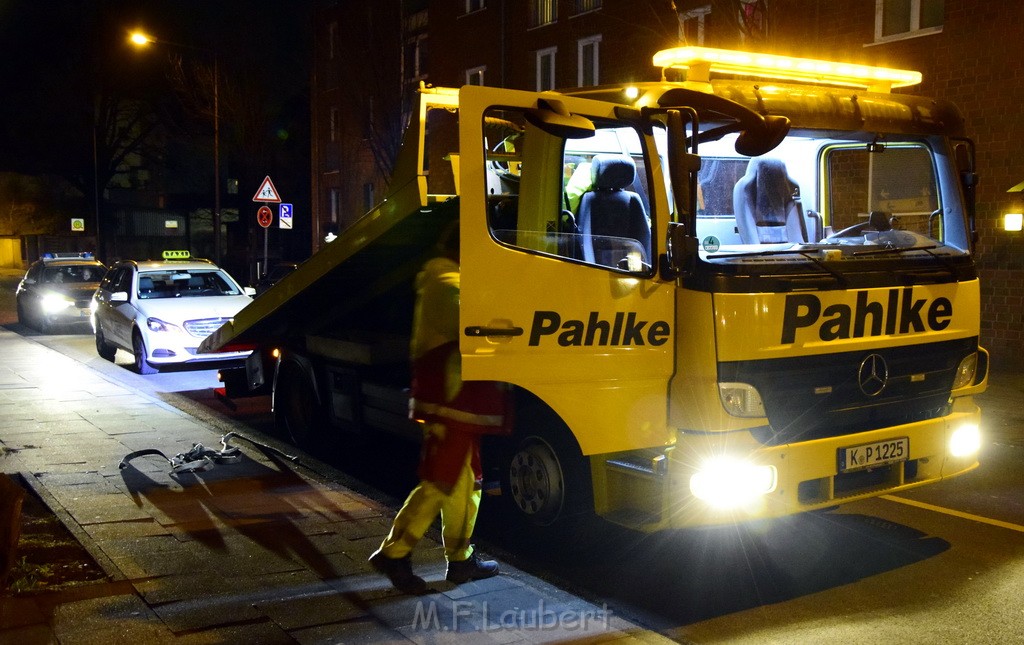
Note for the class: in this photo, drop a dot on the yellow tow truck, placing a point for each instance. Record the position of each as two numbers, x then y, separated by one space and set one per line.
745 291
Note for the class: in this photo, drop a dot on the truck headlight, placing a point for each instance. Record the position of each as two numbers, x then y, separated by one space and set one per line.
53 303
966 370
728 482
965 441
741 399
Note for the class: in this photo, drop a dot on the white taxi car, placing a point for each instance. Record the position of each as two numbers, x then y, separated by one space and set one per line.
162 311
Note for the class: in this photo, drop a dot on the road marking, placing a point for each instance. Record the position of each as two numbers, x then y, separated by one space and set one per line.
960 514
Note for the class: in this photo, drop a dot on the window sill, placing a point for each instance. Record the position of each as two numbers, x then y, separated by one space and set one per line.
907 35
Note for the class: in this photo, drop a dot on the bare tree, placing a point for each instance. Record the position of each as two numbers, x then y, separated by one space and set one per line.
372 36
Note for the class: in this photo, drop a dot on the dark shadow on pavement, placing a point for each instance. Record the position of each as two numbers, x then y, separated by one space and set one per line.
263 504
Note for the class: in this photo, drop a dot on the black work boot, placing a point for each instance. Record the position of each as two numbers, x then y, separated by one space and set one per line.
472 569
399 572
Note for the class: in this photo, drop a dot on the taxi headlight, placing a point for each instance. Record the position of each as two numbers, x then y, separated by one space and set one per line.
966 370
155 324
741 399
728 482
965 441
54 303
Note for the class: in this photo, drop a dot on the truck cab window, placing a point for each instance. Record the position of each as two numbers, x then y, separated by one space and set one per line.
584 200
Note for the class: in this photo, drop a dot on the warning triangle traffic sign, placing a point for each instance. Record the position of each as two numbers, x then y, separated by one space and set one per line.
267 192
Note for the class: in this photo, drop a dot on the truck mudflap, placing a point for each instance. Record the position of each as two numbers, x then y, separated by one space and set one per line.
704 480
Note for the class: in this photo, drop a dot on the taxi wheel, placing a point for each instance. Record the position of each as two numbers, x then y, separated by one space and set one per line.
104 349
22 318
139 350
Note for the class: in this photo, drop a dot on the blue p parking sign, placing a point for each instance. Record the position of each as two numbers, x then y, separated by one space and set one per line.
284 215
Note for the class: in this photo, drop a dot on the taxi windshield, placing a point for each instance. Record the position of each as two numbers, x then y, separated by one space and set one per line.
185 284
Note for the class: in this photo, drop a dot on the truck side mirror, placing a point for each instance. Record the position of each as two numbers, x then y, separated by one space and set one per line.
682 250
552 117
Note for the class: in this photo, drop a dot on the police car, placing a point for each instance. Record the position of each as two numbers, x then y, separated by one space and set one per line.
161 311
56 290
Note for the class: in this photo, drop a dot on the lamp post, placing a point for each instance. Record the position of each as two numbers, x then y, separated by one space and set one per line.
140 39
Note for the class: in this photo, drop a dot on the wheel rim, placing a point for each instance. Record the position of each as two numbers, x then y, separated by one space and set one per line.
139 347
536 481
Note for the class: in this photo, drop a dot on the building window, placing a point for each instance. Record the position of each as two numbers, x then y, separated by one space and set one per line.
474 5
369 197
415 60
543 12
546 69
475 76
896 19
691 25
583 6
588 53
335 205
332 40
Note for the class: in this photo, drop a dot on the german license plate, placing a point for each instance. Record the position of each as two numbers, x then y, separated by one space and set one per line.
879 453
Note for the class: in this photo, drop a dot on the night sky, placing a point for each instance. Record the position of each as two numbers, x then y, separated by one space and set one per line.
56 56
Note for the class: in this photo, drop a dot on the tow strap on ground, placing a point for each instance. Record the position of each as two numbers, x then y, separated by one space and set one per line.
201 458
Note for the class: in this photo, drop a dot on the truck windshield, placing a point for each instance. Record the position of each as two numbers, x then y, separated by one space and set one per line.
832 195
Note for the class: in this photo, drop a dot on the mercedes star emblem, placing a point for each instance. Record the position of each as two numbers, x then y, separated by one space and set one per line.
873 375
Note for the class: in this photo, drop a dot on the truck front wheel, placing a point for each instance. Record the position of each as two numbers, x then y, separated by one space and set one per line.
547 478
296 406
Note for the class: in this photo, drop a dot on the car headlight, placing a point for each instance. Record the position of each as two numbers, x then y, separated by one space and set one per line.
741 399
966 370
155 324
730 482
53 303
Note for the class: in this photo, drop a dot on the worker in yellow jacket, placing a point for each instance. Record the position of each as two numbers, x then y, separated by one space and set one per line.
453 415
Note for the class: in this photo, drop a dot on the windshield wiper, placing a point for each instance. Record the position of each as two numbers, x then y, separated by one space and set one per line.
807 254
900 249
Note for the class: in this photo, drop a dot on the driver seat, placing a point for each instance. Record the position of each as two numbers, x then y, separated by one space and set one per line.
611 212
767 204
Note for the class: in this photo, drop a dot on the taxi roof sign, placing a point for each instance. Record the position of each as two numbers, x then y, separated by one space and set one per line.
701 61
176 255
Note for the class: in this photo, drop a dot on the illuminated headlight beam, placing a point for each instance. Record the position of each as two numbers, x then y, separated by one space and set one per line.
965 441
53 303
727 482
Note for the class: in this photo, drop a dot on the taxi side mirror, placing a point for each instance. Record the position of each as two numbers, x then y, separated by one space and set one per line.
119 296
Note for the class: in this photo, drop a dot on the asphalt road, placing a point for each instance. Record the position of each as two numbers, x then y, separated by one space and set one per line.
941 564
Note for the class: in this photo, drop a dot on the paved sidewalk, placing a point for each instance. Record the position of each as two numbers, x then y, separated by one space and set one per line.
263 551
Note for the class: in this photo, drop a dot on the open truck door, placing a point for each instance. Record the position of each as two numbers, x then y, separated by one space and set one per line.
563 213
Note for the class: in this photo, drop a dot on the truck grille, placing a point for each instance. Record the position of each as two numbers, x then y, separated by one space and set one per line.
813 397
203 327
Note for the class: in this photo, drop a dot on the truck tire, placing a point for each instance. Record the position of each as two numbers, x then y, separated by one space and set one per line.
297 406
547 478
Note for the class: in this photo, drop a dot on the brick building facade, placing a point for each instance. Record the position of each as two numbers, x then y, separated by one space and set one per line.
963 48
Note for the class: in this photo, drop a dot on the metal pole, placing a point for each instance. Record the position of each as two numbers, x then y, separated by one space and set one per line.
96 187
216 158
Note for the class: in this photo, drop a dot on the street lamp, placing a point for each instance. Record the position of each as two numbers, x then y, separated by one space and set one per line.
141 39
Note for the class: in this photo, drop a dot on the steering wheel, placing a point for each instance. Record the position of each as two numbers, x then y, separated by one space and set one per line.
851 231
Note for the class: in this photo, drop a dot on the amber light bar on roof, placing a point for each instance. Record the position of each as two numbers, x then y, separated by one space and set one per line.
701 61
